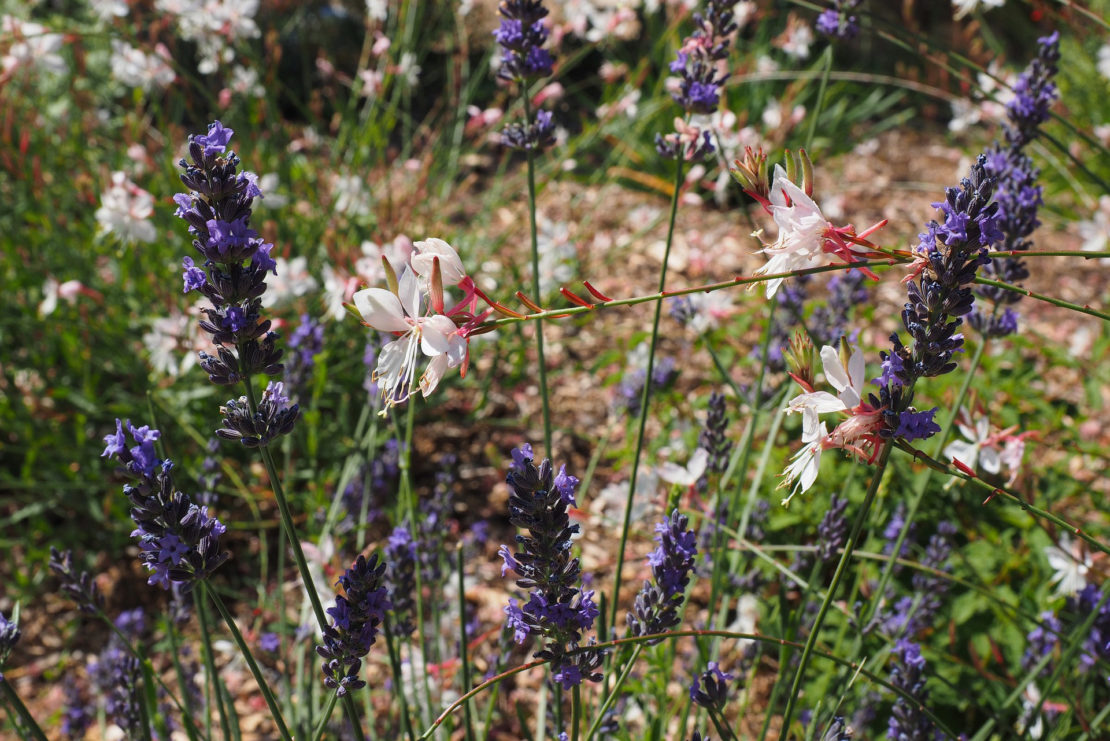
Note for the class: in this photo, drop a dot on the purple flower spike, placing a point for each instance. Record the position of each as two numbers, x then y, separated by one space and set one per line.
558 610
234 259
356 618
216 140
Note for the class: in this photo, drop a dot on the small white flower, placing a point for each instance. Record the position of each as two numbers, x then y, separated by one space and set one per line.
291 282
125 209
33 46
802 228
351 195
433 335
796 39
806 463
975 451
377 10
963 7
857 433
1070 564
52 290
688 475
135 68
172 343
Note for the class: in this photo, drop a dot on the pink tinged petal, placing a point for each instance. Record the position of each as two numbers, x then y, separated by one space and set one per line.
434 336
433 374
821 402
381 310
450 264
391 361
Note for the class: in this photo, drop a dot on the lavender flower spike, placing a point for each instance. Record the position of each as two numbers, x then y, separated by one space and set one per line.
700 65
178 540
939 295
355 621
217 209
522 35
557 609
9 636
1017 192
657 604
908 720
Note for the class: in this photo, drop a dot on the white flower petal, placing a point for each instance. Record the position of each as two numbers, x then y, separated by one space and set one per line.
450 264
966 453
433 374
381 310
990 460
435 332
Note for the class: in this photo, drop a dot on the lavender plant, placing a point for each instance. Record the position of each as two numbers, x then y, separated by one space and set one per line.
558 611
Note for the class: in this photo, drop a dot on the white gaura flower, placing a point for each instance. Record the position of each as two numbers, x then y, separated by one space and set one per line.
135 68
1070 563
963 7
805 235
987 449
125 210
687 475
806 463
848 382
291 281
433 335
856 434
450 264
978 449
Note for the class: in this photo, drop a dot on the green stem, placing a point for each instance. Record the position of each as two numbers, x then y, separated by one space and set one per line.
319 734
210 666
721 725
841 567
575 711
645 398
632 641
267 695
612 697
395 666
923 481
463 638
1041 297
536 279
13 701
739 280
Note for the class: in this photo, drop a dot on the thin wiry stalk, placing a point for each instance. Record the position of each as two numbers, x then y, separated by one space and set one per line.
536 282
631 641
849 546
267 695
645 397
11 698
1003 492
